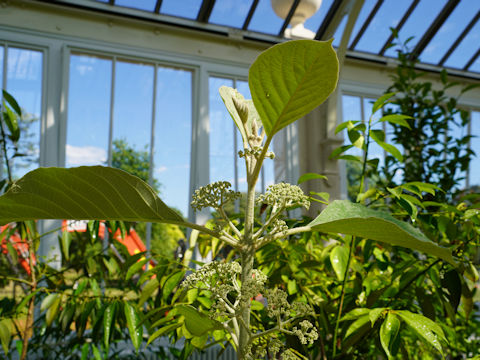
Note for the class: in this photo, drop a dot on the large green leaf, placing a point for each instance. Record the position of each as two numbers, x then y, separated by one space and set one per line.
87 192
343 216
134 325
388 333
291 79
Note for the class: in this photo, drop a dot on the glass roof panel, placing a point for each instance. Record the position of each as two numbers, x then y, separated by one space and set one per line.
184 8
265 20
466 49
148 5
475 66
450 31
230 12
316 20
367 8
418 22
377 33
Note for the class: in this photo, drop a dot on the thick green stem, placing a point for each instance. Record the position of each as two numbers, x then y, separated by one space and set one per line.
342 297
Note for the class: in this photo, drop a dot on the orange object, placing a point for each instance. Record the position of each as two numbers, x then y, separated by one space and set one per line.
21 246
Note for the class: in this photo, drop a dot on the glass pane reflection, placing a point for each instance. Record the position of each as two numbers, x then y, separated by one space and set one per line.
88 110
24 82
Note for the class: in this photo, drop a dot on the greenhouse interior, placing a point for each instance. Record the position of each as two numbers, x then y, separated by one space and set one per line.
240 179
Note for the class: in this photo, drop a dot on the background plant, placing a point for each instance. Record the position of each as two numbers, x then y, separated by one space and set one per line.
281 94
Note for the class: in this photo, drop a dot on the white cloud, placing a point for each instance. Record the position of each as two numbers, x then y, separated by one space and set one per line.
161 169
85 155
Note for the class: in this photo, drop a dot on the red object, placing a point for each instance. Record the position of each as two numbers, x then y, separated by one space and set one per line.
21 246
131 241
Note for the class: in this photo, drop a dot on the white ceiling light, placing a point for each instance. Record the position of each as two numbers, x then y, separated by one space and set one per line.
304 10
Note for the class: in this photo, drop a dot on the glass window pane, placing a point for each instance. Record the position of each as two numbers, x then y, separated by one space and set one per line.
476 65
474 172
230 12
132 123
148 5
172 142
265 20
377 33
2 51
185 8
24 82
450 30
88 110
222 149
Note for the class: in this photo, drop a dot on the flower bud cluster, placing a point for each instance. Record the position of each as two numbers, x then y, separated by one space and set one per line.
212 275
279 226
214 195
307 333
284 195
254 286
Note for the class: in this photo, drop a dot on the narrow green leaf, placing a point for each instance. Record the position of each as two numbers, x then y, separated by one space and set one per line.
388 332
96 353
148 290
52 311
291 79
339 259
356 313
310 176
87 192
163 330
133 321
108 322
171 283
398 119
379 136
346 125
85 351
424 327
65 241
357 324
135 268
197 323
12 102
48 301
381 101
339 150
342 216
11 120
375 314
5 334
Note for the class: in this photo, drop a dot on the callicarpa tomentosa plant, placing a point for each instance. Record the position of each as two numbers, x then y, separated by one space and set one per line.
286 81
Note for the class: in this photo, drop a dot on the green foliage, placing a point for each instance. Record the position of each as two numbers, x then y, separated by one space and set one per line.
289 80
434 149
284 284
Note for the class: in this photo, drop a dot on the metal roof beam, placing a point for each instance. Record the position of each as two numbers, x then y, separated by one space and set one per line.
366 23
205 10
250 15
158 5
459 39
332 20
402 22
289 17
434 27
472 60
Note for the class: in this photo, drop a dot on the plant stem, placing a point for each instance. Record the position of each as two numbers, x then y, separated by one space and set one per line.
31 306
342 297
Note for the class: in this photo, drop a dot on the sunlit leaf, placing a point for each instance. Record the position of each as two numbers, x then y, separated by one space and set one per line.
424 327
342 216
339 259
291 79
87 192
197 323
388 332
133 321
310 176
